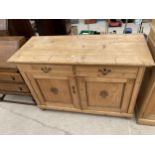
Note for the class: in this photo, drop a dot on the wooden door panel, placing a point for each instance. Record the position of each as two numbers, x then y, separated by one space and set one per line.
55 91
105 94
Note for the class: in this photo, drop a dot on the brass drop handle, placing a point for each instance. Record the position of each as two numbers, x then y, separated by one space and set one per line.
54 90
104 71
20 88
73 90
13 78
46 69
104 94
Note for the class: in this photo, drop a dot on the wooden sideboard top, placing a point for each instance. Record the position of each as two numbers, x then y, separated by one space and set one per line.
128 49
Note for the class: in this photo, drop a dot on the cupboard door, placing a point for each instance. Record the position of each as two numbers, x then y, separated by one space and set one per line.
55 91
100 94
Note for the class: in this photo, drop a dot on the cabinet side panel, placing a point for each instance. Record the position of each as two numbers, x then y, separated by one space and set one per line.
144 92
27 81
136 89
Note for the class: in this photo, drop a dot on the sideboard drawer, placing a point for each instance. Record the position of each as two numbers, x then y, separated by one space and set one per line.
107 71
11 77
13 87
63 70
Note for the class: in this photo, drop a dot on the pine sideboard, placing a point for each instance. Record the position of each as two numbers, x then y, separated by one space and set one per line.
98 74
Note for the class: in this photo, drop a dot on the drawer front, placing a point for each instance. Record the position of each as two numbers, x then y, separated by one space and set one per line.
62 70
107 71
11 77
11 87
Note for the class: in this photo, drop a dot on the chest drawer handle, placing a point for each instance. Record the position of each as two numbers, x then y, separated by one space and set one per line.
54 90
13 78
104 94
73 90
46 69
21 89
104 71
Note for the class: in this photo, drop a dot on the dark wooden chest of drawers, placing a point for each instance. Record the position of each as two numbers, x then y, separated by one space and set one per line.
11 81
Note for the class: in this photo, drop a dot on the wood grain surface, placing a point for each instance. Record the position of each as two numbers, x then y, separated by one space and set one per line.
90 49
